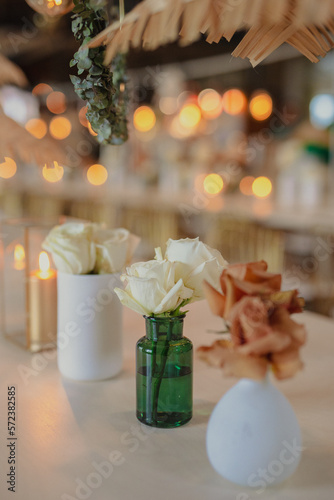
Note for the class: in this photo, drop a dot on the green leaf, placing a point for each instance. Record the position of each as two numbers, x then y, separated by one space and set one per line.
84 63
95 70
99 87
75 80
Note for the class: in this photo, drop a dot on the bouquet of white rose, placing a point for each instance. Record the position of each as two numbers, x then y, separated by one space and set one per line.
86 247
89 259
158 289
165 284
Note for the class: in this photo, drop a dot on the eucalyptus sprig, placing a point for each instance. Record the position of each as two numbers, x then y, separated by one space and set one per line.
103 88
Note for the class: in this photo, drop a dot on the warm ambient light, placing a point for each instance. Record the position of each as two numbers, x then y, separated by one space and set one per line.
234 102
97 175
246 184
82 117
37 127
56 102
262 187
261 106
8 168
44 271
210 103
53 174
190 116
91 131
144 119
19 257
168 105
51 7
177 131
60 127
42 89
213 184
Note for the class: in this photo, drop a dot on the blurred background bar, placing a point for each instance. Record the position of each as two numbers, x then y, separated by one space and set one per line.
241 157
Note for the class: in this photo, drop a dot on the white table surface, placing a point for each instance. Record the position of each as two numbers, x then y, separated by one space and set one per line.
65 427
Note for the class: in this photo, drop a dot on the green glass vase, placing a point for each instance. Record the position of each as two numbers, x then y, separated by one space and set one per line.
164 373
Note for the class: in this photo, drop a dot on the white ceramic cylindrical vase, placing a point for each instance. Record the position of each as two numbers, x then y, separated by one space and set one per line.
253 436
89 341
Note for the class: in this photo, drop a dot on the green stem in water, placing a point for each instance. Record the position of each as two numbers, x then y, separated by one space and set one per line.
160 373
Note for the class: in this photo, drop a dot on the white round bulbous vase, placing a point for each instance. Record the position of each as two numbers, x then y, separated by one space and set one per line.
89 339
253 436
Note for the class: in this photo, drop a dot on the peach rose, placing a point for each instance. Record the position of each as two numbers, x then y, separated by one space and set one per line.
258 316
252 279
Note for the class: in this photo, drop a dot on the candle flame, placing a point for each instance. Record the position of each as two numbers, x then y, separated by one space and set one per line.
19 257
44 262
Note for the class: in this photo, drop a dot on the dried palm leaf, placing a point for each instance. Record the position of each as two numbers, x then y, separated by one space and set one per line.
307 25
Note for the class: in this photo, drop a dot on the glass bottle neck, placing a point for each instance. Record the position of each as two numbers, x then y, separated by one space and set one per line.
166 328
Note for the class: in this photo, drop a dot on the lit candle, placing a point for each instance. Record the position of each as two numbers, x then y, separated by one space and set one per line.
19 257
42 305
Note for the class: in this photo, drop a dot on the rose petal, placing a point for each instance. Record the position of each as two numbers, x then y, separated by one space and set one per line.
209 271
72 247
281 320
220 354
114 248
288 299
237 365
215 299
174 297
270 341
195 262
286 364
247 317
214 353
241 271
130 302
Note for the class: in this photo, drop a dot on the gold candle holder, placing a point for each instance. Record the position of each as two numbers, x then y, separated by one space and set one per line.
29 285
41 305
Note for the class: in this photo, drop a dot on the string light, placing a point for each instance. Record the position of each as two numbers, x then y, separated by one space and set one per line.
246 184
60 127
8 168
261 106
210 103
213 184
82 117
51 7
91 131
262 187
53 174
42 89
37 127
97 174
190 116
56 102
234 102
144 119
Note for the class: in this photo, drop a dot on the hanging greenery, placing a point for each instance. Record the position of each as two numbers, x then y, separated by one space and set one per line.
102 87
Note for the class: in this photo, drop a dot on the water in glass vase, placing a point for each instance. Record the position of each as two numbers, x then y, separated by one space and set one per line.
164 374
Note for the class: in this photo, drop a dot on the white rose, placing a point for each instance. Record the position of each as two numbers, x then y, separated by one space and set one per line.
72 248
195 262
151 288
114 249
